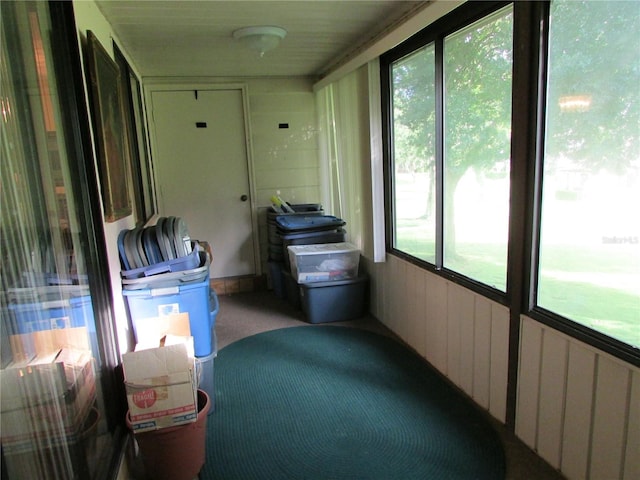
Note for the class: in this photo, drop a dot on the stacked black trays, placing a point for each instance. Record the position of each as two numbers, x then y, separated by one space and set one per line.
276 253
307 226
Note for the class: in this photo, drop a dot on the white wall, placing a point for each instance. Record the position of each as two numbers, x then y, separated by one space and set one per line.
285 160
88 17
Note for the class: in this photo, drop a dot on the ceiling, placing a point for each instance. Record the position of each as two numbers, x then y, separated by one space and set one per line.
194 38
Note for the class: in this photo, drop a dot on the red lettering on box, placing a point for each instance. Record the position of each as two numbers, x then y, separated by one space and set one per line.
145 399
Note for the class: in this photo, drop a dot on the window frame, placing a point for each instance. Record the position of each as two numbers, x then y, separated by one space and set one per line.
436 34
530 57
563 324
66 56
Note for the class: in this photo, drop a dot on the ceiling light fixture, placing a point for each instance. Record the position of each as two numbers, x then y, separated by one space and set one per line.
261 39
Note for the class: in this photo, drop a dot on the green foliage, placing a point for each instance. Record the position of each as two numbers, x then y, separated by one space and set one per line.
414 107
478 66
594 56
478 100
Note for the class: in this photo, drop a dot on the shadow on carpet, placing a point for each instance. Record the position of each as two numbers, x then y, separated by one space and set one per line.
328 402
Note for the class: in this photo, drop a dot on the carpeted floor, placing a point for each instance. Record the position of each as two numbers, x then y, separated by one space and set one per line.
332 402
244 315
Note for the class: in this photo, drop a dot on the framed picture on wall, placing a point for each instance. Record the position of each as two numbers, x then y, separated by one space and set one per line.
141 176
110 131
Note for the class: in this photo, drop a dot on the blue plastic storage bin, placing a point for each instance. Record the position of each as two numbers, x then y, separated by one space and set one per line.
215 307
291 288
316 223
54 314
81 315
35 317
204 365
193 298
205 377
50 315
277 279
336 301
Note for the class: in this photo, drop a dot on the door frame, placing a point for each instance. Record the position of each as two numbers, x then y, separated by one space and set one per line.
161 84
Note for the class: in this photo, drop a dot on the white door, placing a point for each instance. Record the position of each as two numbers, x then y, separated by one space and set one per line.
202 172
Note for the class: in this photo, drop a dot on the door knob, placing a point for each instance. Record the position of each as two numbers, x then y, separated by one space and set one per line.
244 198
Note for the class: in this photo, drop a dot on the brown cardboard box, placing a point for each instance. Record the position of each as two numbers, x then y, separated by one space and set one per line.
48 396
151 331
26 346
161 387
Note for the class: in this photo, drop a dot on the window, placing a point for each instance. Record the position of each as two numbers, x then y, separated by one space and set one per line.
574 260
57 349
450 173
414 153
477 139
589 246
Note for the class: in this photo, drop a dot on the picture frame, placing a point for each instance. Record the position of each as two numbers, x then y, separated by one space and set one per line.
110 131
141 171
146 163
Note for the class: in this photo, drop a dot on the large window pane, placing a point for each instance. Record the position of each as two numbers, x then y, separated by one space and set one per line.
477 131
589 265
414 154
52 407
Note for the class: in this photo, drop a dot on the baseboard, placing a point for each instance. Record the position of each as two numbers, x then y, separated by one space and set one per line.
231 285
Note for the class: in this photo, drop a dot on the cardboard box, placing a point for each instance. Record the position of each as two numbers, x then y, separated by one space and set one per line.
48 396
161 387
151 332
25 346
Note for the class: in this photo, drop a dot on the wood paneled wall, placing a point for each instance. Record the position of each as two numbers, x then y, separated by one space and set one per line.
578 407
462 334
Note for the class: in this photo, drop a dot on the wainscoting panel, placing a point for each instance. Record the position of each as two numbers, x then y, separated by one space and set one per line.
398 320
463 335
437 322
578 407
577 418
455 307
482 353
419 310
528 382
499 359
609 419
553 373
632 456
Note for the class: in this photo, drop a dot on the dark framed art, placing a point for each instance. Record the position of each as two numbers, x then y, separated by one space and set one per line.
144 205
110 130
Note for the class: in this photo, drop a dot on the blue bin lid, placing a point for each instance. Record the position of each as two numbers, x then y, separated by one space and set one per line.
308 223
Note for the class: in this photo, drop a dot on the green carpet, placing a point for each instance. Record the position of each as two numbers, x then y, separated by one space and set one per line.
328 402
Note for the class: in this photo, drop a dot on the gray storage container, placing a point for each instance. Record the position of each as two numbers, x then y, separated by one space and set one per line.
335 301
